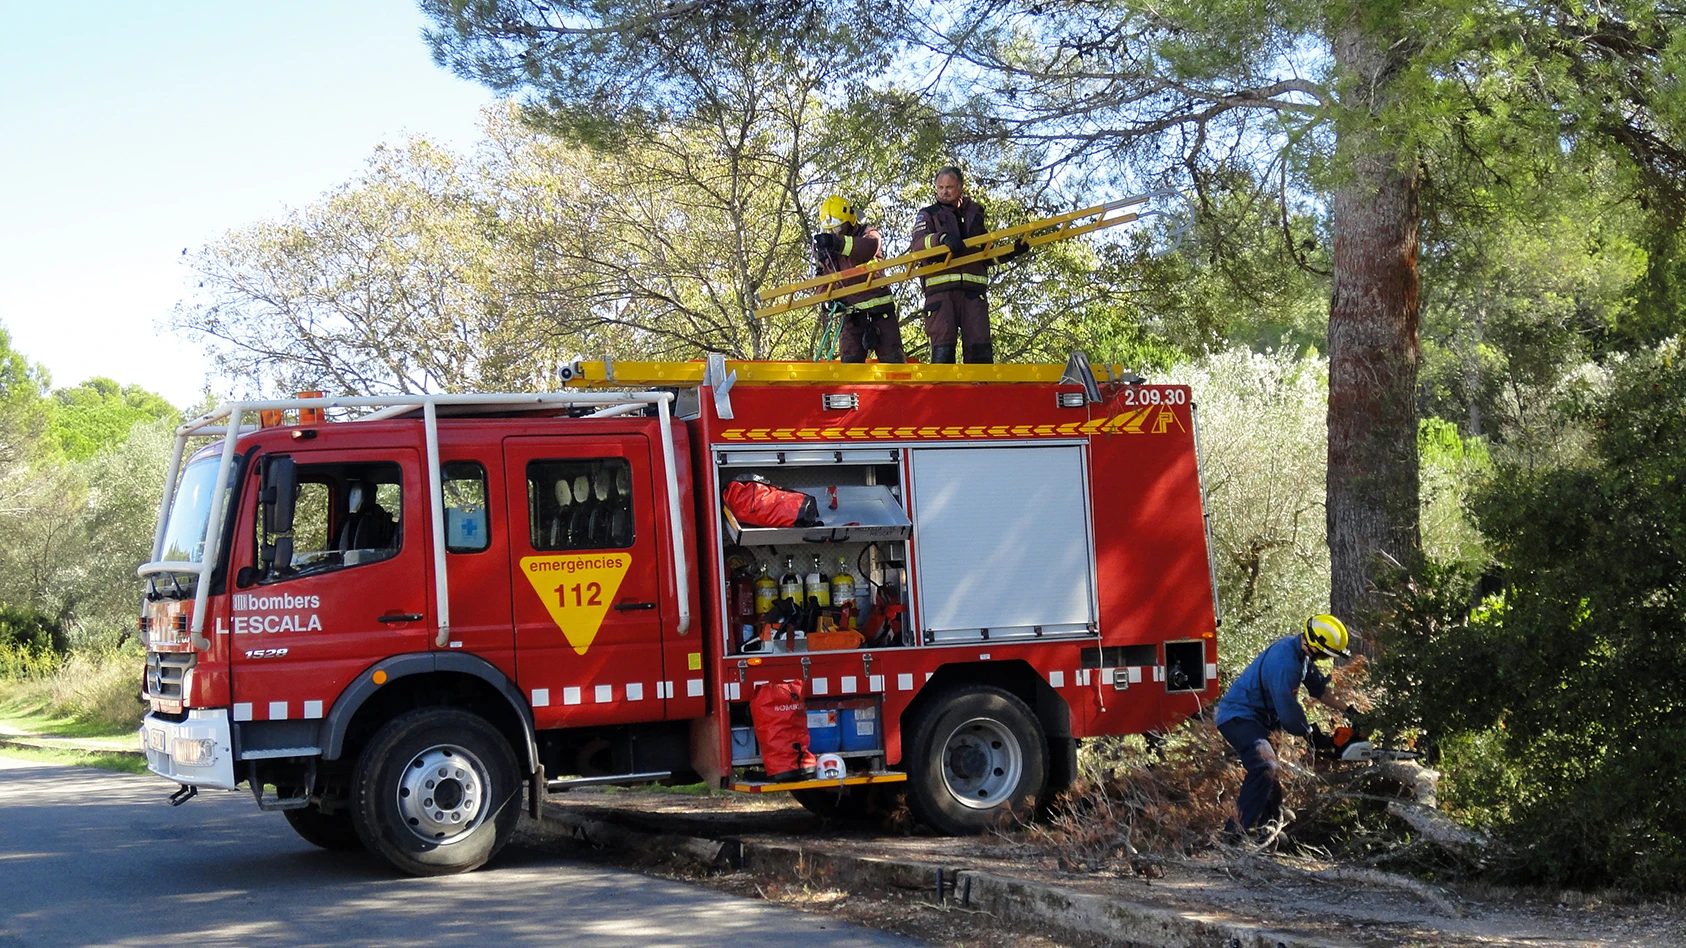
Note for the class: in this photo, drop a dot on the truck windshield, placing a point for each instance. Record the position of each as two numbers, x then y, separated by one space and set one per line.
184 538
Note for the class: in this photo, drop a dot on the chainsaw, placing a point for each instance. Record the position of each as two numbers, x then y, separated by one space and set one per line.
1348 744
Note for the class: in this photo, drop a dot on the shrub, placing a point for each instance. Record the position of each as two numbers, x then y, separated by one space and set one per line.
1555 703
29 629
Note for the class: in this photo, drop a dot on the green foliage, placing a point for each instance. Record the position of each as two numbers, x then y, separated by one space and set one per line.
99 413
1451 467
28 630
23 410
20 663
1557 702
77 511
1262 435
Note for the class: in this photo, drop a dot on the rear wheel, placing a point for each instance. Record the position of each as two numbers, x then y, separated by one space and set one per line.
437 791
333 832
978 759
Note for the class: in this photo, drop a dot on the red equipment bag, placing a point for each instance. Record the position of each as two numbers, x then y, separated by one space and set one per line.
781 728
756 502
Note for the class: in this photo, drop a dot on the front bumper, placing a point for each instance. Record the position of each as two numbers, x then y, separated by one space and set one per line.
197 752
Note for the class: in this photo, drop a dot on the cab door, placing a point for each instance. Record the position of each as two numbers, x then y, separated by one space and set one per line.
587 594
355 587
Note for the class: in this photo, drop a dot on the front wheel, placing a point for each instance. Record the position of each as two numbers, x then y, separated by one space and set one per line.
436 791
979 759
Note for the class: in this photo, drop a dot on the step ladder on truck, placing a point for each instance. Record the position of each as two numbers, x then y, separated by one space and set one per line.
386 617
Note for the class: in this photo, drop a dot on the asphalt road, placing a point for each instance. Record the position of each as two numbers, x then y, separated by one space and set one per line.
95 858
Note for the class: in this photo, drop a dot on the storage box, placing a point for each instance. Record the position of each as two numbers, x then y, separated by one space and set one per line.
822 731
857 726
743 744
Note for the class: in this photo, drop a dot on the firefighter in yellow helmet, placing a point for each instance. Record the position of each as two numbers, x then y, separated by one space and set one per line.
869 318
1265 698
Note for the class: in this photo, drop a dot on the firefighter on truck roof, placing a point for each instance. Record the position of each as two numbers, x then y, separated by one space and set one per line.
869 318
956 309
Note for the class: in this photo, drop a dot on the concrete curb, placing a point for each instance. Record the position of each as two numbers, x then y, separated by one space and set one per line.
1021 903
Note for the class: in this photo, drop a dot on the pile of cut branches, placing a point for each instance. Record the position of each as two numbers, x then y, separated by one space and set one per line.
1140 803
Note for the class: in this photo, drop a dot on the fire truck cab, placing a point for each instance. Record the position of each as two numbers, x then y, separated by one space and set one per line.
388 624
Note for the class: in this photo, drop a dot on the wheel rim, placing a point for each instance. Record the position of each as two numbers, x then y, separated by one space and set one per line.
982 763
442 793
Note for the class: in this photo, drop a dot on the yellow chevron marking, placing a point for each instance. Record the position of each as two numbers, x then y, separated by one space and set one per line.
1094 424
954 432
976 431
1021 430
998 431
1070 427
783 434
1133 421
907 432
732 434
883 432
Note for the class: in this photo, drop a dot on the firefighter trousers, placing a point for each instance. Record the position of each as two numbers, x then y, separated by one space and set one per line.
953 315
876 330
1261 793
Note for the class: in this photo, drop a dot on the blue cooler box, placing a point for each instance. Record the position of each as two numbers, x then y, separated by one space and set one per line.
857 724
822 731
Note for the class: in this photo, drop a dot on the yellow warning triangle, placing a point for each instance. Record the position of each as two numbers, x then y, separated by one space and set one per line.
577 590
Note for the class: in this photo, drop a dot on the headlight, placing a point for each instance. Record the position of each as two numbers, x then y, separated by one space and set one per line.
194 751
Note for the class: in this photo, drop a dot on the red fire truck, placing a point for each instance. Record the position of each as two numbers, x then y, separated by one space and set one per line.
387 615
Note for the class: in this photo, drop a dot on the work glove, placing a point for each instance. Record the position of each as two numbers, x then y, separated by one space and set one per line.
1020 248
955 243
827 242
1320 741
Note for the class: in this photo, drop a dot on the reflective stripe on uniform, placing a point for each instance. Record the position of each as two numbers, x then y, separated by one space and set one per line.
873 303
848 246
956 277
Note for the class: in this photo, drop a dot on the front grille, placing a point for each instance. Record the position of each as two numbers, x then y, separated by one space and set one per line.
166 673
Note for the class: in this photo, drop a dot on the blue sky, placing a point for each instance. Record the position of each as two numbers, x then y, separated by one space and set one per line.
129 132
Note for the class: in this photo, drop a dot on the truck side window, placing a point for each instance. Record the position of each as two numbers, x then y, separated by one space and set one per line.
467 529
345 515
580 504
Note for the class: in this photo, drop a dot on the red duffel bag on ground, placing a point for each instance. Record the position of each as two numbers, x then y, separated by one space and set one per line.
781 728
757 502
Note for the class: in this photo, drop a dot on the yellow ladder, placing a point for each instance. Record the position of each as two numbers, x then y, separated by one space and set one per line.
924 263
618 374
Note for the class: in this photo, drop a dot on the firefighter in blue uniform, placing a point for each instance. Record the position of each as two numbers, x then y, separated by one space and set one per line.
1265 698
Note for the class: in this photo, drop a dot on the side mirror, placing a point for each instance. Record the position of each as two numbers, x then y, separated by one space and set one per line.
279 492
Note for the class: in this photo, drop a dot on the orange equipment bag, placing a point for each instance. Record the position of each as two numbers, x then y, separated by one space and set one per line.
756 502
781 728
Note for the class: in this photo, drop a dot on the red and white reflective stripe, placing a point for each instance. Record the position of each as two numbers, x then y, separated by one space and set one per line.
277 710
603 694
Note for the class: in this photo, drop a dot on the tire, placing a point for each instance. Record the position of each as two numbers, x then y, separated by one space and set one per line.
334 832
978 760
443 751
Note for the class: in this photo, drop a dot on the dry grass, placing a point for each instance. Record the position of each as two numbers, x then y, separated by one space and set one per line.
98 687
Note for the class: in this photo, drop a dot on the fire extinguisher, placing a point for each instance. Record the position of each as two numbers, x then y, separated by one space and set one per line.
743 598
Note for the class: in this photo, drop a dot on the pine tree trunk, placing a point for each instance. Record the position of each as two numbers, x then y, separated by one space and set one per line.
1373 349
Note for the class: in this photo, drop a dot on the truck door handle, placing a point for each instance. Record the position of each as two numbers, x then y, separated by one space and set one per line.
631 606
405 617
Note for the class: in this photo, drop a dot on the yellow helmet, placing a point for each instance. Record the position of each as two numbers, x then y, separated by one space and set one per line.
835 212
1325 635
